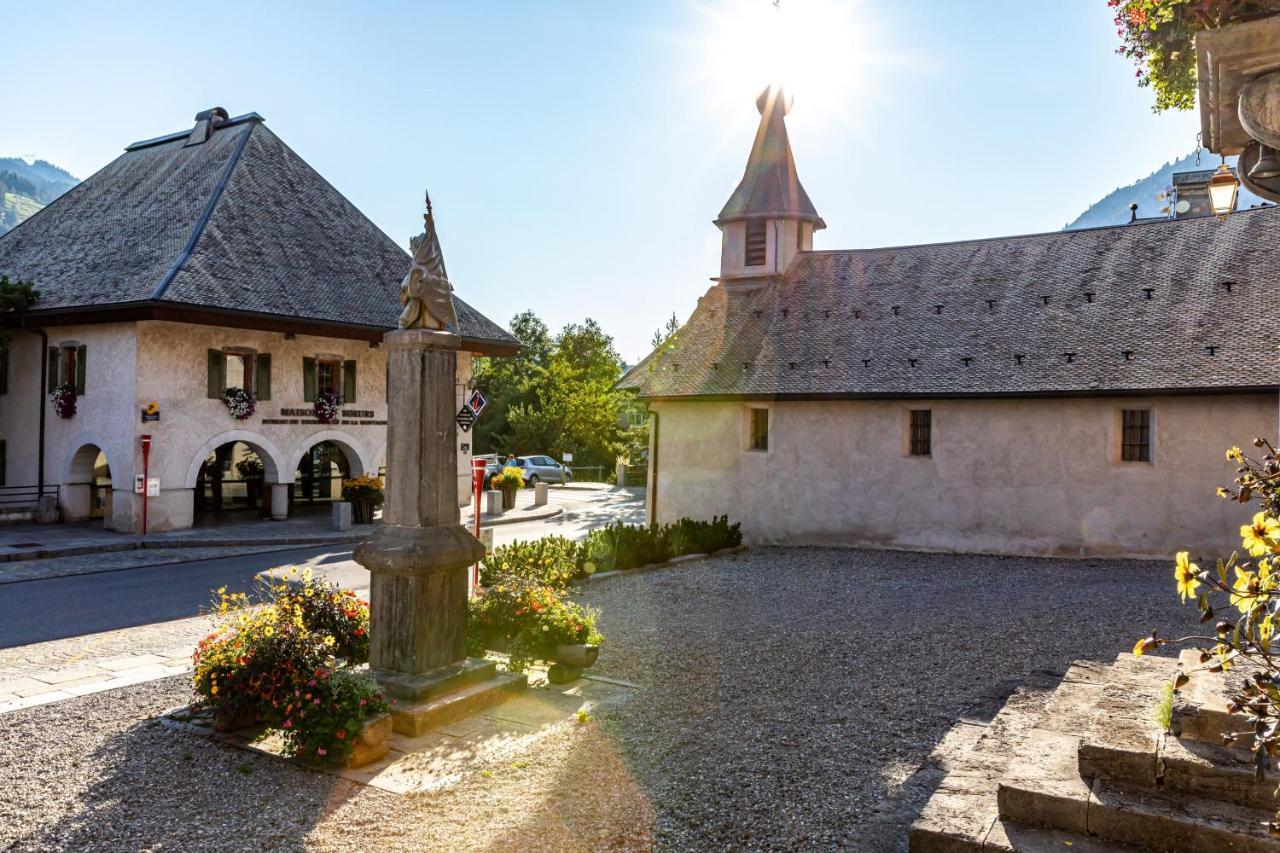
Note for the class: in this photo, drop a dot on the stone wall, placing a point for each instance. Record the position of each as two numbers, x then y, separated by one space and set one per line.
1032 476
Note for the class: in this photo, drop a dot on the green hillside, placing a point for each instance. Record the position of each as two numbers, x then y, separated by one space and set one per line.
27 186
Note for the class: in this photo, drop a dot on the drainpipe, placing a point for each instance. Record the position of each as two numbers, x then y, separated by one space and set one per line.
44 383
653 468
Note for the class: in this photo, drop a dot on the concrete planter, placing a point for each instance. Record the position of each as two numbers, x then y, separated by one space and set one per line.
372 743
579 655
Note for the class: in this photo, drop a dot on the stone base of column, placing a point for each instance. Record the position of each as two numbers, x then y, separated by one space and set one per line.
436 682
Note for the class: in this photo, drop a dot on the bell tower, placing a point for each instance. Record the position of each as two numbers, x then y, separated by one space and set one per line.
769 217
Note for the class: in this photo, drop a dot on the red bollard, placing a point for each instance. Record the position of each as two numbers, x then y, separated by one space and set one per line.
478 467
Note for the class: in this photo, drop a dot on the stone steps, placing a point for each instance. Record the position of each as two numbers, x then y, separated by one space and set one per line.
1090 768
1200 708
417 718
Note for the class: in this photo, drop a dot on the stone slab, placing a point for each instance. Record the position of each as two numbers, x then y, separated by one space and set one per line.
1008 836
1215 772
437 682
1042 785
415 719
1158 821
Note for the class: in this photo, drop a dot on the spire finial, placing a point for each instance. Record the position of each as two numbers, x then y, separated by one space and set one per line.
427 216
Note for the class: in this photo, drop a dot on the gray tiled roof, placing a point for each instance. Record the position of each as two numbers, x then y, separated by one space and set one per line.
770 185
1170 305
277 240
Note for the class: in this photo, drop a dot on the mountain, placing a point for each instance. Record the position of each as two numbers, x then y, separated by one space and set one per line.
28 185
1113 209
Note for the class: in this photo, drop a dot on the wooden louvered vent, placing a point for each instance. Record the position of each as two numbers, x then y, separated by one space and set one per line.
757 243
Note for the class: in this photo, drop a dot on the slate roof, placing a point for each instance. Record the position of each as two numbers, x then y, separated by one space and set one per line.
1171 305
770 185
238 223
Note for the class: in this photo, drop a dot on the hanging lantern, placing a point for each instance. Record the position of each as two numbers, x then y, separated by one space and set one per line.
1223 188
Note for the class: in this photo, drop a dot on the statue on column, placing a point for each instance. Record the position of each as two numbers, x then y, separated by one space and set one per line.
425 293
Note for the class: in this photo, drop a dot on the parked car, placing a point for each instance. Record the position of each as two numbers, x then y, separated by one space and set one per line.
537 469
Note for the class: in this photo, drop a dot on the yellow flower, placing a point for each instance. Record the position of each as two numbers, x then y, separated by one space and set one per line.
1245 586
1234 455
1266 628
1187 574
328 640
1223 493
153 407
268 631
1260 537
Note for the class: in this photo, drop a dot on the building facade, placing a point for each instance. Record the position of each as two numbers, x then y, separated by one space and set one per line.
203 261
1070 393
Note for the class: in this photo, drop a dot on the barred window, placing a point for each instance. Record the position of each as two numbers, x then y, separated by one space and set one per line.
759 429
921 438
1135 437
757 243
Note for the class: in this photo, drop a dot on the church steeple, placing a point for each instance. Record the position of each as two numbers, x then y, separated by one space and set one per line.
769 217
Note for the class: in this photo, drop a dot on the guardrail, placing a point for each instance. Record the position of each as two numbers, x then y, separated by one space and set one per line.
587 473
21 497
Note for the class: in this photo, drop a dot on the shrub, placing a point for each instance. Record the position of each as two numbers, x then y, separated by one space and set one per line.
628 546
528 618
508 478
551 561
366 487
284 660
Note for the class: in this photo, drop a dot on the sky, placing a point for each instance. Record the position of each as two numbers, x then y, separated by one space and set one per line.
577 152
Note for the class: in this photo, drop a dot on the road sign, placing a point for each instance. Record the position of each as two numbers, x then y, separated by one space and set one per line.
465 418
476 402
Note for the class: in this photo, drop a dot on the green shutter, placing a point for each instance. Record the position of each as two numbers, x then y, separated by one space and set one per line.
51 377
4 368
217 373
309 380
349 381
80 359
262 381
2 463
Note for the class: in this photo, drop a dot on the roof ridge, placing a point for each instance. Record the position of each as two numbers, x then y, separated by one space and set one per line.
198 231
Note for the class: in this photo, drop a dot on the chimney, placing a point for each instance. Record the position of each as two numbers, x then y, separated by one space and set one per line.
206 122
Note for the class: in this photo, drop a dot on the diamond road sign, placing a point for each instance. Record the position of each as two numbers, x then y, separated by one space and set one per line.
465 418
476 402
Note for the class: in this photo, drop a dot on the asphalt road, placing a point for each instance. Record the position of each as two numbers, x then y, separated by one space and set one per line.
39 610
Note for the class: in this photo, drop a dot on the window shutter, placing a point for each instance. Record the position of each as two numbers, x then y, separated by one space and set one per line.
80 358
4 368
51 379
309 380
262 382
217 373
2 463
349 381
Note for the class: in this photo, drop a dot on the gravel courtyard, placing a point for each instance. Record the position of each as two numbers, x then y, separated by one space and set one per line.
790 700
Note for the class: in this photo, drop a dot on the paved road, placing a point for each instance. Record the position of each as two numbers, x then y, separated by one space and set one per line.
40 610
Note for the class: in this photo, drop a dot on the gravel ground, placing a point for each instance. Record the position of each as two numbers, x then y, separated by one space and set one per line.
792 699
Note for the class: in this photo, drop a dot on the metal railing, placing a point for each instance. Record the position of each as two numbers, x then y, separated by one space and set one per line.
21 497
587 473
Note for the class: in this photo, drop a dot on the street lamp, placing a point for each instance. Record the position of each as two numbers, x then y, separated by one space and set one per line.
1223 188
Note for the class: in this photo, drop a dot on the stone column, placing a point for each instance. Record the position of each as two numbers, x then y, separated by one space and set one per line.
419 554
279 501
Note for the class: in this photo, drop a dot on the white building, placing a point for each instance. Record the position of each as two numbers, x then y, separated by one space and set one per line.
208 259
1069 393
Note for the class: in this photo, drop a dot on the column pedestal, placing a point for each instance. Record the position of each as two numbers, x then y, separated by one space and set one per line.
279 501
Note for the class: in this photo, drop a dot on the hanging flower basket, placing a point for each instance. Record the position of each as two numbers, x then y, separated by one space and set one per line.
240 403
63 398
328 406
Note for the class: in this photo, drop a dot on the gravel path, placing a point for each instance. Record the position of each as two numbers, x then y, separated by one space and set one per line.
792 699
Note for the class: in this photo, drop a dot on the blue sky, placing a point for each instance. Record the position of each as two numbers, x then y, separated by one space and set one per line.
577 152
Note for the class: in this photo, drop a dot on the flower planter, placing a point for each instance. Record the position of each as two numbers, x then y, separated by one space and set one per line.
362 512
509 497
228 720
577 655
372 743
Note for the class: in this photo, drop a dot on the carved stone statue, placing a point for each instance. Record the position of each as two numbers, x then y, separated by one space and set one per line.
425 293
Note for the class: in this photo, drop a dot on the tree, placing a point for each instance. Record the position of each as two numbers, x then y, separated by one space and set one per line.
1159 36
507 382
664 334
15 296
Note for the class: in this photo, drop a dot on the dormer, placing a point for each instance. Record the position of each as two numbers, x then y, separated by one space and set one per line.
769 217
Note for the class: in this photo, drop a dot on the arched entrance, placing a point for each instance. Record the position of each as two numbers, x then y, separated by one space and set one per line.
87 488
320 472
233 479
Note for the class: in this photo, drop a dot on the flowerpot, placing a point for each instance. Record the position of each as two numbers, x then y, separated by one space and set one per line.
372 743
234 719
509 497
362 511
559 673
577 655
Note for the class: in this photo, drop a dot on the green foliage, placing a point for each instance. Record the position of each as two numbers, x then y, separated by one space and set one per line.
528 618
666 333
629 546
556 396
551 561
323 727
1159 36
1162 713
15 296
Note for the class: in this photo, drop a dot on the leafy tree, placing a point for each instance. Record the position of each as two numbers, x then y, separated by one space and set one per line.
15 296
507 382
1159 36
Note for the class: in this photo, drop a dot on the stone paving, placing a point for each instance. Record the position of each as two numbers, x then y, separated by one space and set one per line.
112 561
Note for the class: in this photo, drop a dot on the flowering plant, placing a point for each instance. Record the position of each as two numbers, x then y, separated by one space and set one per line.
366 487
250 467
63 398
509 477
281 658
239 402
328 406
152 408
529 617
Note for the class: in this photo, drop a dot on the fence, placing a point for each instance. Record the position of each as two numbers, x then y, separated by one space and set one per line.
588 473
13 498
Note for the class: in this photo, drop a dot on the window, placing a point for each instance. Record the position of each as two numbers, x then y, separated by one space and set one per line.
799 236
1135 435
757 243
239 368
920 439
66 366
328 375
759 429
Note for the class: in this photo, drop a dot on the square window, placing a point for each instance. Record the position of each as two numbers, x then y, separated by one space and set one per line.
759 429
1135 435
921 436
327 377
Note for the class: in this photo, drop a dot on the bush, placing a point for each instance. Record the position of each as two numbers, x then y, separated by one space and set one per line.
527 618
626 546
284 660
551 561
508 478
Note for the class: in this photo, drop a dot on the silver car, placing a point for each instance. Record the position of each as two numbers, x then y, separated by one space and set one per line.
542 469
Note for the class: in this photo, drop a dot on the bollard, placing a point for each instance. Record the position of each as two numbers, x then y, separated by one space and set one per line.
540 494
486 539
493 502
341 519
621 475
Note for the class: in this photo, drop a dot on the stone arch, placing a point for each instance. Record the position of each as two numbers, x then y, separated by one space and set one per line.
81 496
358 459
379 459
272 459
80 461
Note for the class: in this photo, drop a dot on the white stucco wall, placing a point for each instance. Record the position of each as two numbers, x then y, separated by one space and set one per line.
1035 476
130 364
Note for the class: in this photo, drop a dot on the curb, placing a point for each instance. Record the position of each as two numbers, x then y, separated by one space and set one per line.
257 549
189 542
674 562
500 520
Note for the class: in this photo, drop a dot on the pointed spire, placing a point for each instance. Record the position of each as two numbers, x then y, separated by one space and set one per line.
770 187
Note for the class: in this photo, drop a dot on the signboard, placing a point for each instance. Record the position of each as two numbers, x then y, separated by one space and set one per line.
139 484
153 487
567 457
476 402
147 417
465 418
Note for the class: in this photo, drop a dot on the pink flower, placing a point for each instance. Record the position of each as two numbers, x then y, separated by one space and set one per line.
315 701
288 724
321 751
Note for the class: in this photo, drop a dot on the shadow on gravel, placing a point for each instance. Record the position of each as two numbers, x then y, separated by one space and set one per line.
156 788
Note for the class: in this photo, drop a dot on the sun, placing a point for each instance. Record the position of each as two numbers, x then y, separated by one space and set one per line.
818 50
